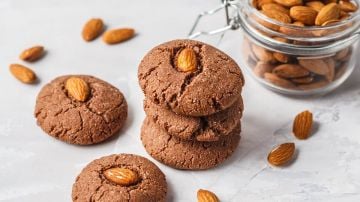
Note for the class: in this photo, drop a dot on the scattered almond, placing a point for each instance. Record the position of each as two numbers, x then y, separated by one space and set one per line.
77 88
302 125
92 29
22 73
206 196
328 12
118 35
290 71
186 60
32 54
281 154
122 176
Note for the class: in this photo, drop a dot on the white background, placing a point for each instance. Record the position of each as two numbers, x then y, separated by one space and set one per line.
36 167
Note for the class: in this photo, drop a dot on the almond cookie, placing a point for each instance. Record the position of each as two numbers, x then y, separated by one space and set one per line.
207 128
190 78
188 155
79 117
117 178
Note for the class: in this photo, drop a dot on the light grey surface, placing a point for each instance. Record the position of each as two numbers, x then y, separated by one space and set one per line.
36 167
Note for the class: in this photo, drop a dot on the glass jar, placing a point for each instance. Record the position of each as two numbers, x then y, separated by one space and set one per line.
291 59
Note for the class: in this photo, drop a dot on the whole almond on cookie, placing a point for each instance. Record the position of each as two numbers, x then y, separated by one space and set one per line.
302 125
32 54
92 29
118 35
206 196
186 60
281 154
22 73
77 88
328 12
122 176
303 14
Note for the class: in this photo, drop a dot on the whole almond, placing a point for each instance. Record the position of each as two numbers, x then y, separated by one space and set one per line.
290 71
276 15
122 176
289 3
276 80
262 54
302 125
32 54
77 88
303 14
329 22
281 57
293 31
316 5
186 60
276 7
317 66
347 6
92 29
281 154
303 80
342 54
314 85
118 35
261 68
22 73
329 12
341 70
206 196
330 75
259 3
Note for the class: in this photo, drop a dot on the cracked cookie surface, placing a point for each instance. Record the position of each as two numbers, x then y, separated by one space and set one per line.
92 185
83 123
188 155
208 128
214 86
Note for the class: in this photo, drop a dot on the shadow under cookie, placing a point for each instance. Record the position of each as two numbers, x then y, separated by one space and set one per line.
188 155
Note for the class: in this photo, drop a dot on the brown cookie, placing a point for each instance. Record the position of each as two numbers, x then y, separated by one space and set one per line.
98 118
213 86
189 155
93 185
208 128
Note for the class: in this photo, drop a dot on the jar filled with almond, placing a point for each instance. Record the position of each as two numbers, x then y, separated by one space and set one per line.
297 47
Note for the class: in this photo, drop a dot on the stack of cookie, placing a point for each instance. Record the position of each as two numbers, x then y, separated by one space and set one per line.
193 104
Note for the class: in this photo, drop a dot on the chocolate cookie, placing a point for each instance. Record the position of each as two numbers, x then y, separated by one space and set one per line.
94 120
180 154
208 128
94 184
214 85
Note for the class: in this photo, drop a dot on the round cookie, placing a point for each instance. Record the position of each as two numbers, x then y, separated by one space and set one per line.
208 128
92 185
102 115
189 155
214 86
